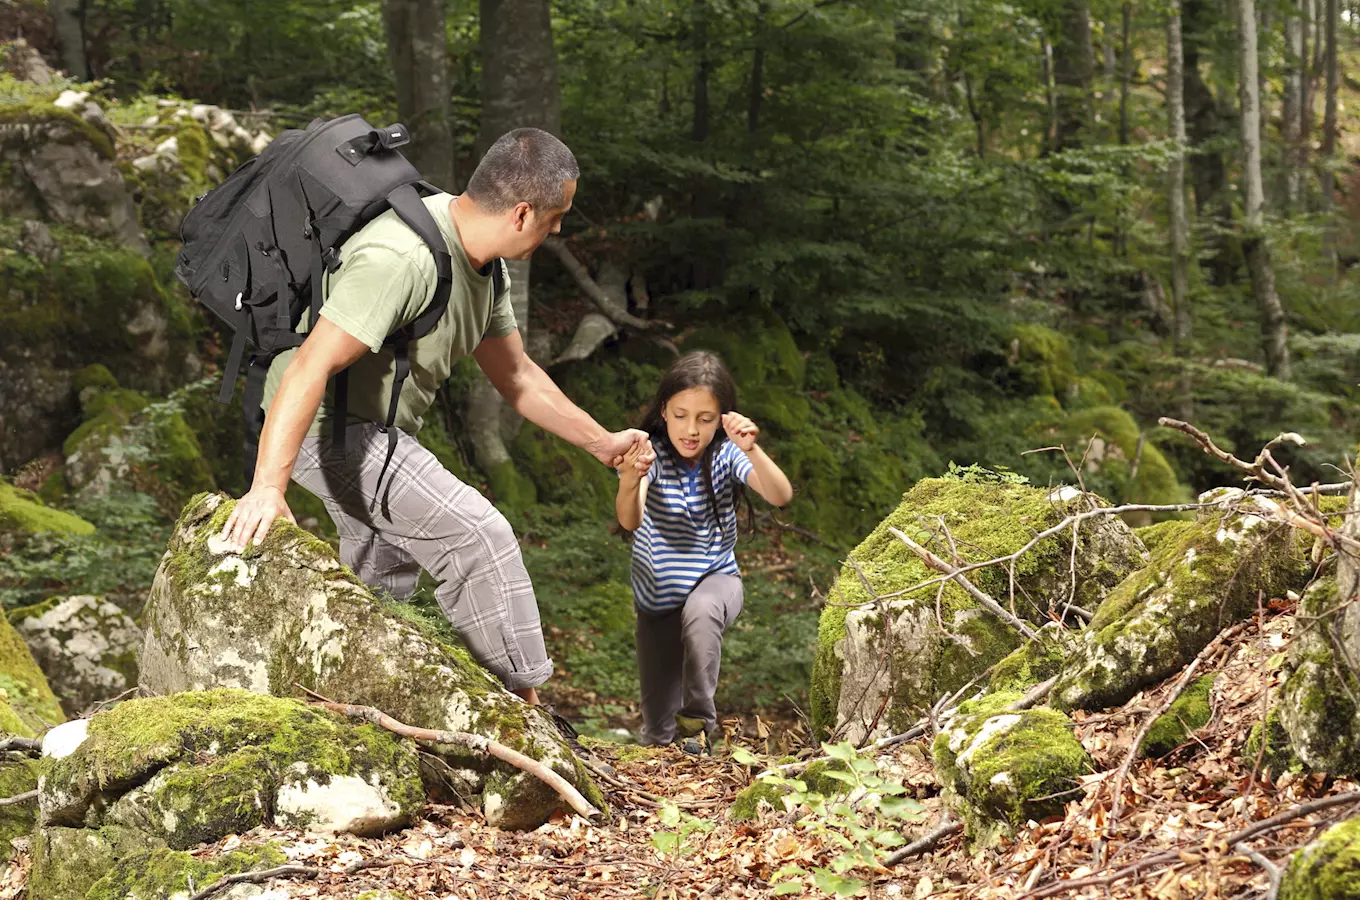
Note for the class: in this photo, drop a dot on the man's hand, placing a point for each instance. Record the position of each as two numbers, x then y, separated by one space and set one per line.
254 514
741 430
612 448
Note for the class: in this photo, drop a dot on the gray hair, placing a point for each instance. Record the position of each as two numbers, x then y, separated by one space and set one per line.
526 165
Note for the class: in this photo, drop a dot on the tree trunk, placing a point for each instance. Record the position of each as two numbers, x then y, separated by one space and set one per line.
1180 226
757 88
1209 172
519 90
702 66
1326 174
417 48
1050 98
1291 113
1126 71
1274 334
68 19
1073 70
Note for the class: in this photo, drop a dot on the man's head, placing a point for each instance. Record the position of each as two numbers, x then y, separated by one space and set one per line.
525 182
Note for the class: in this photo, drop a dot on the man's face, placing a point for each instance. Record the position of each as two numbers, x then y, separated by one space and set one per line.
531 226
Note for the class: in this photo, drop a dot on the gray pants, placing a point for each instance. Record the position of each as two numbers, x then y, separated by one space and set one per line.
429 519
679 653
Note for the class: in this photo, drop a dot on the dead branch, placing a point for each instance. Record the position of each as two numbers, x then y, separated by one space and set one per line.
19 798
475 742
1171 696
926 842
939 565
608 305
289 871
25 744
1273 872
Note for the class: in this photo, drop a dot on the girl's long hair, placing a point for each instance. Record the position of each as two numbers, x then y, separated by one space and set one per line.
695 370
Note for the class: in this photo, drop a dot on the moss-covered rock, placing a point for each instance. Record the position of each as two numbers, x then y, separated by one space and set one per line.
192 768
1117 462
128 442
764 793
175 875
1154 536
1037 661
1278 756
910 650
1042 361
68 861
1188 714
1326 869
1001 769
21 512
1317 706
86 646
17 776
1158 619
287 613
27 705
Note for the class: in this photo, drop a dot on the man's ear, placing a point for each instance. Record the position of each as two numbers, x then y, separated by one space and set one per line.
522 211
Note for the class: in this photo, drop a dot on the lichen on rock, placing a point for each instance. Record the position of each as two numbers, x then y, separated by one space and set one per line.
288 613
1317 705
904 653
86 646
1001 769
1158 619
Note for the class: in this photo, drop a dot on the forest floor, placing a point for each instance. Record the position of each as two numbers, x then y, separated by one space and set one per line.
1185 830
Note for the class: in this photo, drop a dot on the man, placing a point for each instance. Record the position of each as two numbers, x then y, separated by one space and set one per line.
428 518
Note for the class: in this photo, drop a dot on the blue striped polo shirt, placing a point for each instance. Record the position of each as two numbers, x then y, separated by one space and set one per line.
680 541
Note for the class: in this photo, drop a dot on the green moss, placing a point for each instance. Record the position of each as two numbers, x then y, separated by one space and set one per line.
95 376
1317 707
1155 536
1328 868
1035 662
1042 358
38 113
813 780
1110 468
1279 756
68 861
238 740
1006 768
157 874
23 512
746 805
561 473
511 491
1188 714
24 688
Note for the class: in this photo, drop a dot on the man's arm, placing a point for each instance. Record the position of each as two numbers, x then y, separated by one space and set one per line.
327 350
527 388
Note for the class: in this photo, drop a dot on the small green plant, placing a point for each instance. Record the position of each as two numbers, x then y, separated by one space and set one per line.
673 841
863 819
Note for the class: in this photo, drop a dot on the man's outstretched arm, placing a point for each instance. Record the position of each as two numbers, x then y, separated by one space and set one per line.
327 350
527 388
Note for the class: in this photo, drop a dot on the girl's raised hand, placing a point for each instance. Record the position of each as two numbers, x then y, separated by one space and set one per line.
741 430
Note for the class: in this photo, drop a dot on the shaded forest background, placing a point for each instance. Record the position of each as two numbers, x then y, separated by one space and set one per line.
924 235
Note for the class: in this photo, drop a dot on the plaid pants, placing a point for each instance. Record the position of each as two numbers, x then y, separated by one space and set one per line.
429 519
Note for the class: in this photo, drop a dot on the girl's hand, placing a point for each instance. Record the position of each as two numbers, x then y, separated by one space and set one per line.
741 430
637 461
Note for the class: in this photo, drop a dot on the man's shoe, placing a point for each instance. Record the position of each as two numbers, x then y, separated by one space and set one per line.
686 726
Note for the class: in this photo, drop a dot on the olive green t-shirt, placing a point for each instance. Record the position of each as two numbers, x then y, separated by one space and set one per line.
385 280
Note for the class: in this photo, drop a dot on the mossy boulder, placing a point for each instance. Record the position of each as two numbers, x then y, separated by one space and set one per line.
17 776
27 705
68 861
22 513
1154 536
127 442
1326 869
97 303
1278 756
1001 769
1041 360
59 166
287 613
86 646
1038 660
1190 712
902 654
1317 706
192 768
1205 579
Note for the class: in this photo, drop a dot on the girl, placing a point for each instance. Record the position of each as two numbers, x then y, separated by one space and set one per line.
686 584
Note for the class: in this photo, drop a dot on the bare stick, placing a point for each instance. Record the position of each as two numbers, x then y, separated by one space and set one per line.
1171 696
939 565
290 871
1273 872
26 744
476 742
19 798
925 843
608 305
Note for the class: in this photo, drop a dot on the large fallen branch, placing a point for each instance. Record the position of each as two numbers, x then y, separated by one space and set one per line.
475 742
288 871
611 307
925 843
988 603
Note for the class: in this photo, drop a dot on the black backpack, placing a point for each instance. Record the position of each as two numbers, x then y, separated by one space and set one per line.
257 245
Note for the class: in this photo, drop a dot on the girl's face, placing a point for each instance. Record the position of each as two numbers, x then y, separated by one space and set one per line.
692 418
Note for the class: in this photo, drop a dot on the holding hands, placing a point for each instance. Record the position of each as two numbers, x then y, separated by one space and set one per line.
635 463
741 431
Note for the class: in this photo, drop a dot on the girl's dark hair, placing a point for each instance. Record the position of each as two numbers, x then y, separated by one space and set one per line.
695 370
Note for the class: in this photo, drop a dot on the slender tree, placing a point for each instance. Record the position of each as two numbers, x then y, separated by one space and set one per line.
68 19
1274 333
1073 71
417 48
1326 173
1180 226
1291 113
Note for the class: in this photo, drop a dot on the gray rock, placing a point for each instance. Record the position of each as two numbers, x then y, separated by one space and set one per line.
86 646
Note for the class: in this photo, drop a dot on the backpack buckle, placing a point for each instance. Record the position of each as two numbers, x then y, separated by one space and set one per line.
330 258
